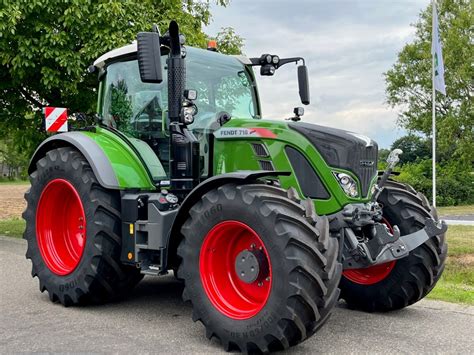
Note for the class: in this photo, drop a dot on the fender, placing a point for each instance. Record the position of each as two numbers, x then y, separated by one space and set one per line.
113 163
239 177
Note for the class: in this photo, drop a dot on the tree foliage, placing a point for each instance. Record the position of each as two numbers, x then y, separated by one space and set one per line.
229 42
11 158
46 47
415 148
409 84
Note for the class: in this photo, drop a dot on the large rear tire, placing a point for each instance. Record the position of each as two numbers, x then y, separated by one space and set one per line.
73 230
297 271
403 282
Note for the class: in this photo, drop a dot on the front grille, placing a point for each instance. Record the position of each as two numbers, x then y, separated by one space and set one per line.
365 172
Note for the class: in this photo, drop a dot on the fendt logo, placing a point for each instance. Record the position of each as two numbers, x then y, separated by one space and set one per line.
229 133
367 163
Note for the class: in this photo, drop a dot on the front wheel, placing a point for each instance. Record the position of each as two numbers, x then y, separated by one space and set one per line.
399 283
260 272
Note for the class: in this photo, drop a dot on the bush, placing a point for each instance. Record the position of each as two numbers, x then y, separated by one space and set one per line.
455 184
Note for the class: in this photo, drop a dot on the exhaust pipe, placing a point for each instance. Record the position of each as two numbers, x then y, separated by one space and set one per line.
184 147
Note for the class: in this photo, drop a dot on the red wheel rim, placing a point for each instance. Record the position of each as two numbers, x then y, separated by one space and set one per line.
227 292
371 275
60 227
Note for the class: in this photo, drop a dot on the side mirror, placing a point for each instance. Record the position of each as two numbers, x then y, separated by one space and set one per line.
303 84
149 57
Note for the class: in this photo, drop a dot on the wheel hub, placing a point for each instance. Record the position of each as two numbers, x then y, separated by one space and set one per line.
251 265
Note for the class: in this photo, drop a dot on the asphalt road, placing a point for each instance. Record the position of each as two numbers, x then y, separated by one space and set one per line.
154 319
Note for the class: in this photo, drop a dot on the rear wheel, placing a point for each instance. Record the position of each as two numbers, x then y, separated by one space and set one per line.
73 230
260 271
400 283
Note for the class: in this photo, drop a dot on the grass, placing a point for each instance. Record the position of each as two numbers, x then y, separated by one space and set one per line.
456 284
455 210
12 227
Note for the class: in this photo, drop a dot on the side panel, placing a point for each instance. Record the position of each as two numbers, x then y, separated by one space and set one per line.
233 151
114 163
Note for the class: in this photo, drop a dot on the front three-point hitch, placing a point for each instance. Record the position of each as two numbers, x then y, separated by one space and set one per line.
384 246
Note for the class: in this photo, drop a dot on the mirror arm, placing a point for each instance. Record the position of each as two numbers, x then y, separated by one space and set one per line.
257 61
290 60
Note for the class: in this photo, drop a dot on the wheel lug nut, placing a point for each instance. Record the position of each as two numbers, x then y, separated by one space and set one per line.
260 284
268 278
252 246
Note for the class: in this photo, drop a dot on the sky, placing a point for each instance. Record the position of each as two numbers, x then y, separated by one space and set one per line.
347 45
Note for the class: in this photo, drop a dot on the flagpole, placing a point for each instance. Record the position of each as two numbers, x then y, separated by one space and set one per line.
433 119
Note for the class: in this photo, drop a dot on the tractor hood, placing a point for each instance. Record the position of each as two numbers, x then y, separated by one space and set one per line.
343 149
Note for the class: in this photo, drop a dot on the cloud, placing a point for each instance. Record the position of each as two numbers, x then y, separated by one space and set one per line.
348 45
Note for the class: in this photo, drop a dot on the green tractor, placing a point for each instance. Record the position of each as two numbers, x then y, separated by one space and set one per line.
267 223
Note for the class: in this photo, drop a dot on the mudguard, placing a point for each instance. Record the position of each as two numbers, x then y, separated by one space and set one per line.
114 164
219 180
239 177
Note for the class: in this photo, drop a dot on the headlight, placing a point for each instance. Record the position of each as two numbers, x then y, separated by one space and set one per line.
348 184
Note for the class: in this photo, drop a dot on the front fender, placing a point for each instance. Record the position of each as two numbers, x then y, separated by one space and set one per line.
238 177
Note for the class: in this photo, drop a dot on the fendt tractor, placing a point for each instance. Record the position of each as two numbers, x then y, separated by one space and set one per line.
266 223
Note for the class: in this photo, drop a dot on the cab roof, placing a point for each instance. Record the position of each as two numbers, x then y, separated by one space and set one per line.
132 48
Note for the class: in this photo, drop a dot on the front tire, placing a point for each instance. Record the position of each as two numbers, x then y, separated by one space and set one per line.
73 230
294 287
399 283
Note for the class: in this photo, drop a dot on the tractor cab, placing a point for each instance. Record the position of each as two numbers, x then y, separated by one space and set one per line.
224 85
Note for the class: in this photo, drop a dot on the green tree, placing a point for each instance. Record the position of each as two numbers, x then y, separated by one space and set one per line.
11 158
46 47
415 148
409 81
228 42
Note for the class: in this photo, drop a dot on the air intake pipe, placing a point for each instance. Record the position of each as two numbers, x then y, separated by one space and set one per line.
184 147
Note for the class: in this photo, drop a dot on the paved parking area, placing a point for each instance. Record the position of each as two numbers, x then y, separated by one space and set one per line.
155 320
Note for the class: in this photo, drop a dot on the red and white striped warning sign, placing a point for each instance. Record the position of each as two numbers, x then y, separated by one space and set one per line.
56 119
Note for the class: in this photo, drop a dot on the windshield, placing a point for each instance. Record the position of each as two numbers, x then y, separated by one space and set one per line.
140 109
222 83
